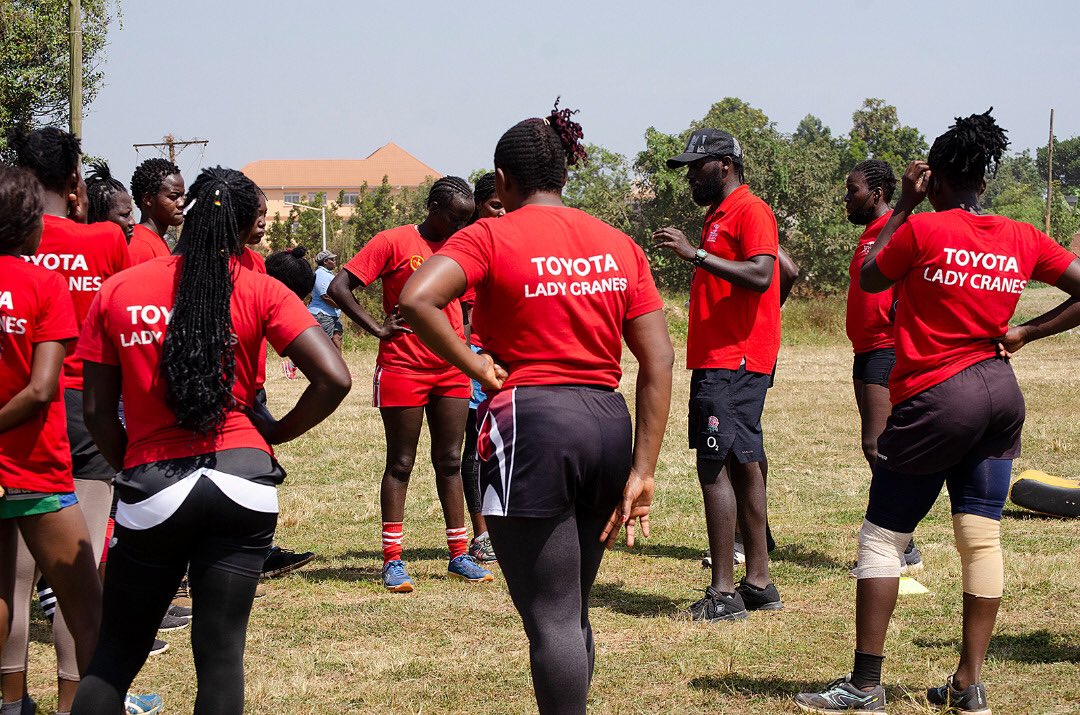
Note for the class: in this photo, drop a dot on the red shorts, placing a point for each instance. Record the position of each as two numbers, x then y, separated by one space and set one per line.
415 389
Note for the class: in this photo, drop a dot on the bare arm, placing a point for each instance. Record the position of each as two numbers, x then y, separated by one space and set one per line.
46 363
1064 317
755 273
648 339
101 411
915 182
789 273
341 293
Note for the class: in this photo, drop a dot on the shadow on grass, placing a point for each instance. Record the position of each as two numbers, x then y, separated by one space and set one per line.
366 565
668 551
633 603
808 558
420 554
748 686
1025 515
1039 646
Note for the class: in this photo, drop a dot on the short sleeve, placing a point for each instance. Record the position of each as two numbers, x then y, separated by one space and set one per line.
120 258
757 232
372 261
286 315
94 342
55 319
897 257
322 283
646 297
1052 259
471 248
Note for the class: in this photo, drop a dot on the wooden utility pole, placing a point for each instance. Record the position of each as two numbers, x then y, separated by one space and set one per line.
170 143
1049 171
75 69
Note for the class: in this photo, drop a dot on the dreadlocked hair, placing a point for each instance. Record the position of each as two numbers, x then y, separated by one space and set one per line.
878 175
291 268
197 359
20 206
149 176
445 189
101 187
969 151
51 154
536 152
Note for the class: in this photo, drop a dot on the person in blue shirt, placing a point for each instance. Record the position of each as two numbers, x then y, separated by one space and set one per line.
323 306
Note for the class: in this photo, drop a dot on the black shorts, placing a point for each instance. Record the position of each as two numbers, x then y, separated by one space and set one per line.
87 462
545 450
217 510
975 414
873 367
725 414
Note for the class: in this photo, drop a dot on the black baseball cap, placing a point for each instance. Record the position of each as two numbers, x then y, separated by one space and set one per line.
707 142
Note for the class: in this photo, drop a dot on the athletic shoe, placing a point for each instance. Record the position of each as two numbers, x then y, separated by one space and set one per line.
481 549
466 568
395 578
183 590
912 558
281 561
172 623
740 556
768 599
159 647
28 706
840 696
717 606
148 704
46 598
706 560
179 612
971 700
289 369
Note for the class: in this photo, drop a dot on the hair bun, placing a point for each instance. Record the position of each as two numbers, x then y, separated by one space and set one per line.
299 251
570 134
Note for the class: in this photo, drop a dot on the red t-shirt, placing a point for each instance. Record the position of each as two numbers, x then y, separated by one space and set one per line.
729 324
35 307
469 299
126 327
85 255
556 287
959 278
869 326
145 245
394 256
251 260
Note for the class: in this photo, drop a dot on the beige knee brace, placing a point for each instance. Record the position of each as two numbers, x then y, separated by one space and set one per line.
880 551
978 539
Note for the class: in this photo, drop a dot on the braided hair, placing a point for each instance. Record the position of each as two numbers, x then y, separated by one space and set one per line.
149 176
51 154
536 152
445 189
291 268
20 207
484 188
197 361
878 175
969 151
101 187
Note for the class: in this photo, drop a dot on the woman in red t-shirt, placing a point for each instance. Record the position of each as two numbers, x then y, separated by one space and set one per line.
179 336
560 471
410 380
957 410
108 199
157 188
37 321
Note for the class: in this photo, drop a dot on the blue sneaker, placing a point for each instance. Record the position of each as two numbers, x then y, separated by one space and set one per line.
466 568
148 704
395 578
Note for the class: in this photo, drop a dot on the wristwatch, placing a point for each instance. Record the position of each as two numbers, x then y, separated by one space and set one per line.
699 256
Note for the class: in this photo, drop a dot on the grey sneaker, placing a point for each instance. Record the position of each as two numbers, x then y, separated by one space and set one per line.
969 701
481 549
840 696
716 606
172 623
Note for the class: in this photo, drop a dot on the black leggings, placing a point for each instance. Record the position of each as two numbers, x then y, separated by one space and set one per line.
550 565
470 466
144 569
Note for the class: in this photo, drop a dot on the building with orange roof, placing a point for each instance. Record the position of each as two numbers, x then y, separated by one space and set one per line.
301 180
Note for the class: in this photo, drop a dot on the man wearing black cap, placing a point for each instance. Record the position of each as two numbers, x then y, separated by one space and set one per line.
323 306
733 341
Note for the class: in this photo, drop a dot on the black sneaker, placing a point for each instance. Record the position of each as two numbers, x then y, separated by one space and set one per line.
767 599
172 623
159 647
971 700
281 561
840 696
718 606
912 558
28 707
179 612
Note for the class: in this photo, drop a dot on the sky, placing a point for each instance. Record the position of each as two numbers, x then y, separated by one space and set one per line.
337 79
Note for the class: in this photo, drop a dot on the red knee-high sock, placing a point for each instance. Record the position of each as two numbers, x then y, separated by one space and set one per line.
457 540
392 534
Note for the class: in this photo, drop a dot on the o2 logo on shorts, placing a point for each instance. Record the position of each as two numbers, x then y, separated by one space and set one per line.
415 262
714 424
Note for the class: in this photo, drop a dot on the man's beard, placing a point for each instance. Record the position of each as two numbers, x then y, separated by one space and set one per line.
707 192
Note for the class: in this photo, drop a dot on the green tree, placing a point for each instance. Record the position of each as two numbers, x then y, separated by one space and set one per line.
877 133
375 211
603 188
34 81
1066 164
1019 192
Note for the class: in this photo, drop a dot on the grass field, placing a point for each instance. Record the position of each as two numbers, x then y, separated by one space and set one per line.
329 640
